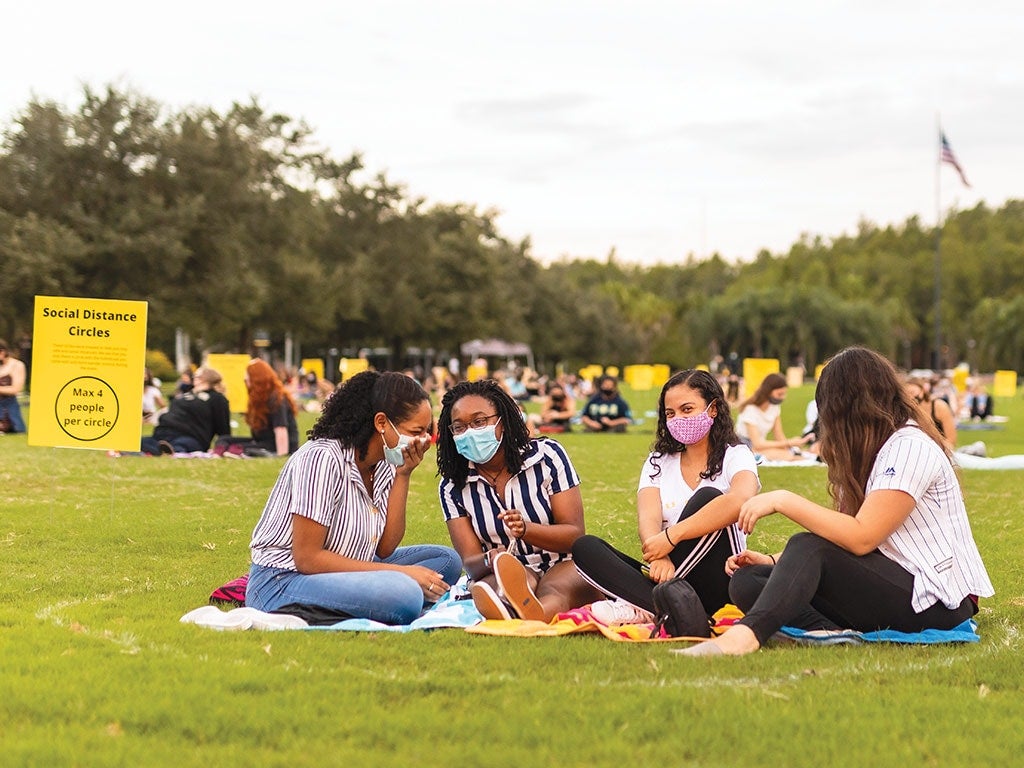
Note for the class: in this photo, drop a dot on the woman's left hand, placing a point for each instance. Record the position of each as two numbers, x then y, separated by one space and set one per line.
657 547
759 506
514 522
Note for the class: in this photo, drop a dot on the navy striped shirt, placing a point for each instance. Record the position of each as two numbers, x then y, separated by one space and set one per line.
321 481
546 471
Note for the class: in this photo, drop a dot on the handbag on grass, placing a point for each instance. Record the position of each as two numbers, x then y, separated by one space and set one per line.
679 611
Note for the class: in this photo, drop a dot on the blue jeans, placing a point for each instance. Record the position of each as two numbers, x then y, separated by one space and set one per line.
390 597
180 443
9 407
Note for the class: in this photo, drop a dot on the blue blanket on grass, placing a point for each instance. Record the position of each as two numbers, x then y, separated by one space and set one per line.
453 610
962 633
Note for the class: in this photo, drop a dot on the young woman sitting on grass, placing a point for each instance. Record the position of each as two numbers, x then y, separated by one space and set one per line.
691 488
897 551
512 504
759 423
330 532
270 415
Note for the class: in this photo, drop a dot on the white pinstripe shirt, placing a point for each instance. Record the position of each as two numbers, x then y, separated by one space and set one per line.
321 481
546 471
935 542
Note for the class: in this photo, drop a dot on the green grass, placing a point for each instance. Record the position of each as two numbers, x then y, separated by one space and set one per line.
102 556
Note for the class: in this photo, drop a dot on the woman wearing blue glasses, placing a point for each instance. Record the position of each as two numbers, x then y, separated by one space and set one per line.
512 505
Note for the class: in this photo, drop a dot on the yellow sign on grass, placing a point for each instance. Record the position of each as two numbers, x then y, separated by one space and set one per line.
231 368
88 361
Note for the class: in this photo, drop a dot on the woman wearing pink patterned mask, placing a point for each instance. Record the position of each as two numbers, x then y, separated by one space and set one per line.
692 486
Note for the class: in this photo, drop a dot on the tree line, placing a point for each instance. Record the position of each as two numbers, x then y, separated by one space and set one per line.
237 221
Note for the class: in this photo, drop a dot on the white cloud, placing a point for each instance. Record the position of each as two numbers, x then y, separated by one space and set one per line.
658 128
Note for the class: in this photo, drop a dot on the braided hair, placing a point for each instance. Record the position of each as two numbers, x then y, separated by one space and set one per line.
515 437
347 415
722 434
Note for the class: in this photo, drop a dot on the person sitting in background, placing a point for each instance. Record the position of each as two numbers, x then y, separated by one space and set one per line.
153 403
606 411
759 424
512 504
193 419
184 382
12 382
692 485
556 412
936 410
270 416
979 402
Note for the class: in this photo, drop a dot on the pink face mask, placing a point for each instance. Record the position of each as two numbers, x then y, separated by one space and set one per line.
691 429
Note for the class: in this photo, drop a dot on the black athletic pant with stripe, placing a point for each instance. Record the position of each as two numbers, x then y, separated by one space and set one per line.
700 561
819 585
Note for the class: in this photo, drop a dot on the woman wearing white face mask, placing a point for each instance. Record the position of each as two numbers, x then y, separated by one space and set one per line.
330 532
692 486
512 504
759 424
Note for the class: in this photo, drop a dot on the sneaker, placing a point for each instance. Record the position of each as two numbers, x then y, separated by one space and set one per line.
514 583
615 612
488 603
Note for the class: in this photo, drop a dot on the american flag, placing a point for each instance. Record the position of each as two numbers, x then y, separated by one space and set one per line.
946 156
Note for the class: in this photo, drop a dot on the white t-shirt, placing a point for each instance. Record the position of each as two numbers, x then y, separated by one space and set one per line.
935 542
675 493
762 421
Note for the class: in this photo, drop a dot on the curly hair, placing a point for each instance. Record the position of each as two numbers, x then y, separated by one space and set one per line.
722 434
769 384
347 415
861 403
266 393
452 465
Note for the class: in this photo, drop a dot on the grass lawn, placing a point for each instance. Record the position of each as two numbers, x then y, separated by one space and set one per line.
102 556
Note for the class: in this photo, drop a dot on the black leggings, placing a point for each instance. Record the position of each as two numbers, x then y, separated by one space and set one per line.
819 585
701 561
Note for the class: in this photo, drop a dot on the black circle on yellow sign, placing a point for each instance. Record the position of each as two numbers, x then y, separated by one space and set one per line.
86 408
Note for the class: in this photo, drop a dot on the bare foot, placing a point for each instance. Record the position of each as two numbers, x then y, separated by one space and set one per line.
737 641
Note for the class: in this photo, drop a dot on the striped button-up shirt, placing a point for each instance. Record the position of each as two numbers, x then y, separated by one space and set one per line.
935 542
321 481
546 471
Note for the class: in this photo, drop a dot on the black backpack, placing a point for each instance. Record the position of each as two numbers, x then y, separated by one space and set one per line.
678 609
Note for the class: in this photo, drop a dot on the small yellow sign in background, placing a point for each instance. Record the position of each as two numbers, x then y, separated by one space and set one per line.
231 368
88 359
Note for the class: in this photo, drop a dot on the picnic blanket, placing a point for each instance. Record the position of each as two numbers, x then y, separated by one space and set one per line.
455 609
967 632
581 620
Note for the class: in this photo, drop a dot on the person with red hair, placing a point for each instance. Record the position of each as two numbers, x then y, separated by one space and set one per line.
271 413
270 416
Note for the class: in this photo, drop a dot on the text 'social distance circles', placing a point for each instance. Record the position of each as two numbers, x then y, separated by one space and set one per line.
86 408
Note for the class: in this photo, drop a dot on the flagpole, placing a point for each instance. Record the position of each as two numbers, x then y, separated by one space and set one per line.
937 351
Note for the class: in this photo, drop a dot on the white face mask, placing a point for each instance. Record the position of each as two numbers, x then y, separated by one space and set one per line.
394 456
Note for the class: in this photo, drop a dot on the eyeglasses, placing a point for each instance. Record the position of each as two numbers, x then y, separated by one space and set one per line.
458 428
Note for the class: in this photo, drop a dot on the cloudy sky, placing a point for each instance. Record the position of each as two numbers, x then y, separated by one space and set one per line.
659 129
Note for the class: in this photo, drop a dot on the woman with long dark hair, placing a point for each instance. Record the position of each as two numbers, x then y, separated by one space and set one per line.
692 486
512 505
896 552
329 535
759 423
